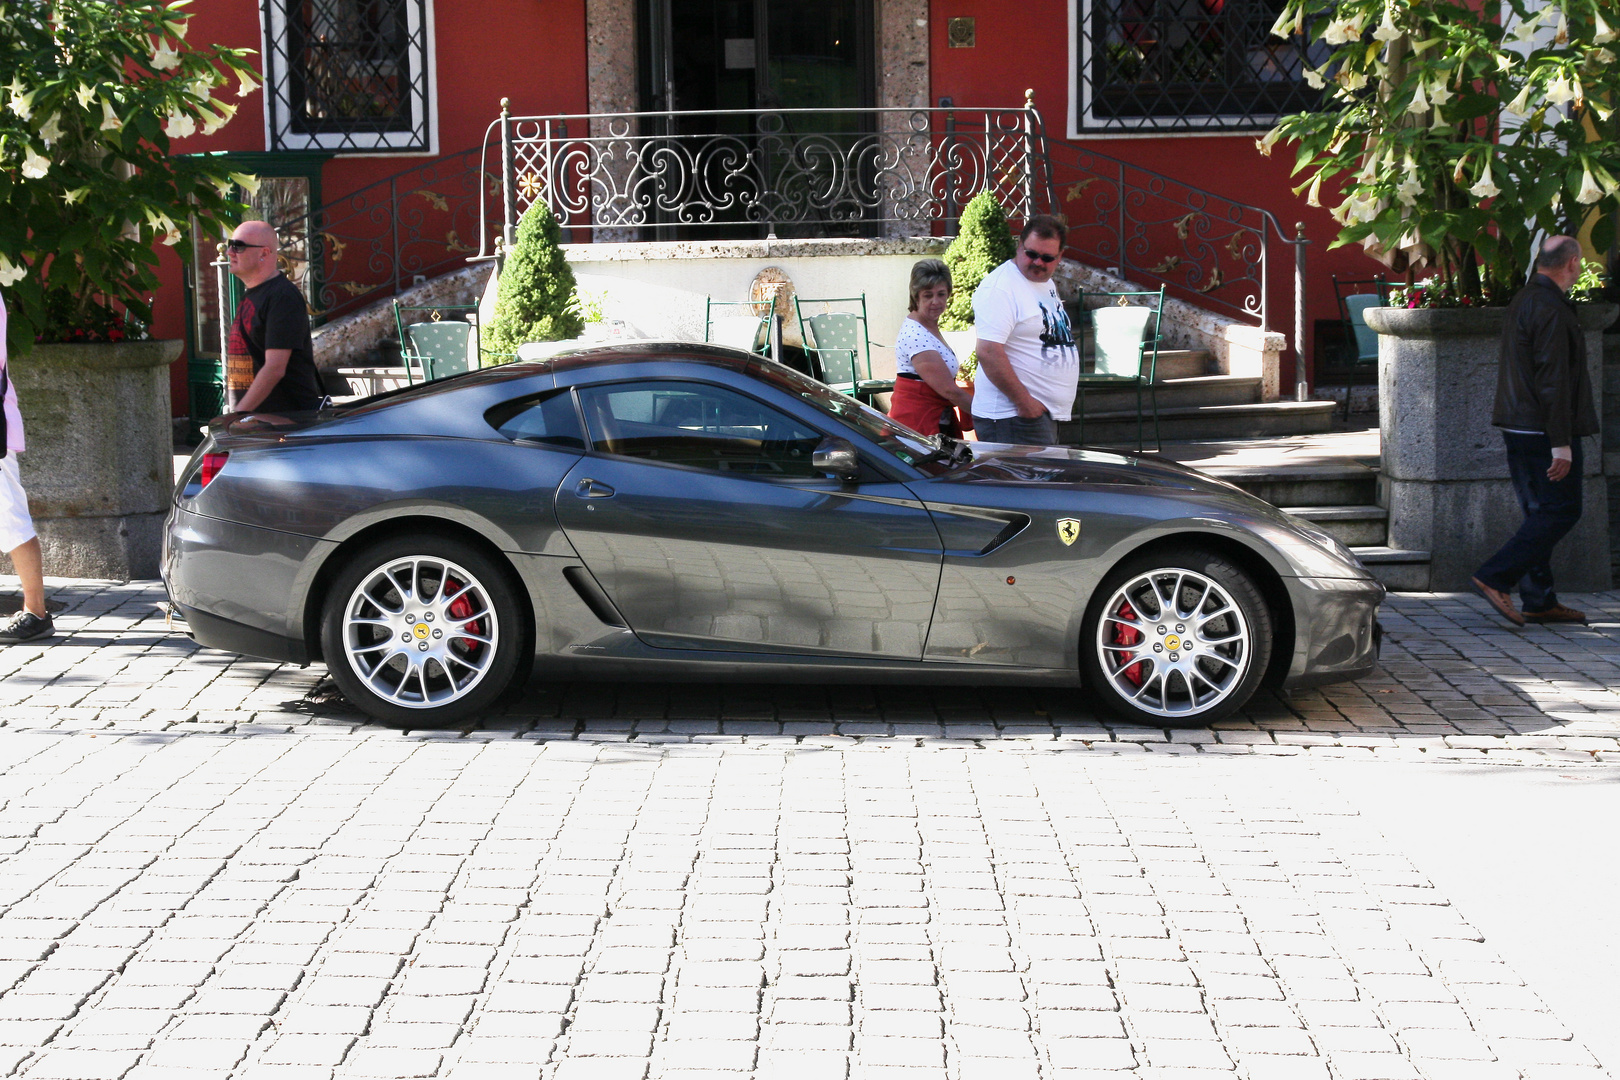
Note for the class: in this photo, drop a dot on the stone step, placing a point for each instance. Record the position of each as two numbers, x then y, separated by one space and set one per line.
1346 484
1176 394
1260 420
1183 364
1354 526
1400 570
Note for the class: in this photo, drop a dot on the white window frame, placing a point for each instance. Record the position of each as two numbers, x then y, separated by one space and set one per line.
1135 127
424 95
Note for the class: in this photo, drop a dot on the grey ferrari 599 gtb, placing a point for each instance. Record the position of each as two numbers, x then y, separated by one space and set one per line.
678 511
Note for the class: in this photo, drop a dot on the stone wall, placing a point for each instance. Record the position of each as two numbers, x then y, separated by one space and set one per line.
1444 475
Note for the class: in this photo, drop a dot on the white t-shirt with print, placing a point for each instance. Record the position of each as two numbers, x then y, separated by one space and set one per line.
1029 321
914 338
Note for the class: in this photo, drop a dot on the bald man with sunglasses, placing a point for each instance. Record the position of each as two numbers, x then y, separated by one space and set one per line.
270 366
1028 364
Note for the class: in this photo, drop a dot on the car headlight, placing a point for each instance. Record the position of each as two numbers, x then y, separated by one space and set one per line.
1313 552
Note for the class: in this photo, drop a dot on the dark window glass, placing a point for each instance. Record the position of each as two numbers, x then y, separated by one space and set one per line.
548 421
349 66
699 425
1195 64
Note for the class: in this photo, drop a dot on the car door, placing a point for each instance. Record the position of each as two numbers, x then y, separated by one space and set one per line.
700 515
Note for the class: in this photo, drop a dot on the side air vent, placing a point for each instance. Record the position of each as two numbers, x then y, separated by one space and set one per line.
590 592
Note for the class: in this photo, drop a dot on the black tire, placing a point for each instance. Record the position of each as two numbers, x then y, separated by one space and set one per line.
437 677
1179 671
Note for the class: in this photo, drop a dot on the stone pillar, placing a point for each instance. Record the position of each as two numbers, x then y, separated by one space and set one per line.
100 454
1444 474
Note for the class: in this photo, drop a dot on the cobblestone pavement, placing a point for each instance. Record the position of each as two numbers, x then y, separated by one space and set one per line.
209 872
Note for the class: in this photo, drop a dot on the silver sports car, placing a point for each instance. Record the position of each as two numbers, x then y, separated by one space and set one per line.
686 512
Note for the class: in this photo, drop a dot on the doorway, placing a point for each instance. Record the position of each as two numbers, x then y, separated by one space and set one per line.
712 56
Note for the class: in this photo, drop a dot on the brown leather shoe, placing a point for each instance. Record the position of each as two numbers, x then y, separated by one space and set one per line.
1501 601
1558 613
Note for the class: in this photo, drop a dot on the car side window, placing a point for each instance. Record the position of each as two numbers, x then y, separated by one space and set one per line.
547 421
699 425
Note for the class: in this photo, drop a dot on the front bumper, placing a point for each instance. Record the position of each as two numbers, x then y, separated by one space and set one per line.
1337 636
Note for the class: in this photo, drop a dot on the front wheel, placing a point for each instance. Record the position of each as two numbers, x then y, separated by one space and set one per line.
422 631
1176 638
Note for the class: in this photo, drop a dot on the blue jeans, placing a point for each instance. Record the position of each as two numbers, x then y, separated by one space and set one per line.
1551 509
1039 431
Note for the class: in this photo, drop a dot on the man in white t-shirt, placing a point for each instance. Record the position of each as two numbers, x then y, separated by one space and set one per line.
17 537
1028 364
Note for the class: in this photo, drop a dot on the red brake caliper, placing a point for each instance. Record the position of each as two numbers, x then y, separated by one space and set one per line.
461 608
1128 636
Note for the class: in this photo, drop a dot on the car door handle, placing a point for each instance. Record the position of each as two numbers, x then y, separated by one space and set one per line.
593 489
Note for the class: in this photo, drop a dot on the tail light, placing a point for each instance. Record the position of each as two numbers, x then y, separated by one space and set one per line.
211 464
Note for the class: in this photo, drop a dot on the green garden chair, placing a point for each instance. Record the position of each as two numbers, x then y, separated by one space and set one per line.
840 347
437 347
750 331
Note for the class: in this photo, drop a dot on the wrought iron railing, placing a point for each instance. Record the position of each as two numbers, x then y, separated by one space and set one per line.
378 240
761 172
897 172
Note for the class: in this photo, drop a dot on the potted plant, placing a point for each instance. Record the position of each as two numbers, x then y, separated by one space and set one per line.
91 93
983 242
536 295
1450 136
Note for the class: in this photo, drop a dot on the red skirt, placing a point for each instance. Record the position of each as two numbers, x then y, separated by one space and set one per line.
915 404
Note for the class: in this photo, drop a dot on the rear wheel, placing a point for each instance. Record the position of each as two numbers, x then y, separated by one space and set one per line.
422 631
1176 638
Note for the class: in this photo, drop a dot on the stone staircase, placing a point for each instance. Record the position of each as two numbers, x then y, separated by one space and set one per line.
1337 492
1193 405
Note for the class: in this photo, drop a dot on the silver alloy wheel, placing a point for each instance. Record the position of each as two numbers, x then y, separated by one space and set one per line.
1173 643
420 632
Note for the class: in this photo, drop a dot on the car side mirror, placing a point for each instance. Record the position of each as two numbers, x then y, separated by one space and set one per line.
837 456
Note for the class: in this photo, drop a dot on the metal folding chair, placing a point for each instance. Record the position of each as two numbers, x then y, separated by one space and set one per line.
1126 340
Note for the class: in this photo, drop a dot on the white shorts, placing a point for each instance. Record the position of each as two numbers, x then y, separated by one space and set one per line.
16 527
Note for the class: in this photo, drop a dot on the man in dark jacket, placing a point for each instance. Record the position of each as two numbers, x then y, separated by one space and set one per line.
1543 406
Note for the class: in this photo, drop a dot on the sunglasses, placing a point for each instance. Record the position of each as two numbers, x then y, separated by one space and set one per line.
1036 256
239 246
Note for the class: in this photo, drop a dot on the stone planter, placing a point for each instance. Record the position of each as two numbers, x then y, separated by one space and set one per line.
100 454
1444 475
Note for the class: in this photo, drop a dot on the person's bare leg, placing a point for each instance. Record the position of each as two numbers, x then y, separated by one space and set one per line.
31 570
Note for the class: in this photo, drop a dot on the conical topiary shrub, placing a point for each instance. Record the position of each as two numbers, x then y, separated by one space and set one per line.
983 242
536 298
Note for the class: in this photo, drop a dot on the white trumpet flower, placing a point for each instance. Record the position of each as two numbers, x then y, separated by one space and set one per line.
1559 91
248 85
1342 31
86 94
1419 102
164 56
1314 196
35 165
1410 187
21 104
1313 79
1288 23
1520 106
1387 30
247 181
1590 192
1264 145
179 125
10 272
109 119
1440 93
51 130
1485 187
1601 32
219 117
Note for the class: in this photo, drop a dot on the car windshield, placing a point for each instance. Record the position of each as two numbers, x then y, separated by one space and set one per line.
927 452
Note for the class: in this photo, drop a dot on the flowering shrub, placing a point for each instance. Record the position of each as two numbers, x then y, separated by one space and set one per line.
1456 132
1442 293
92 92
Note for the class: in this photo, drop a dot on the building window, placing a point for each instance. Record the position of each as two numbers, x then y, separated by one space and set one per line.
1182 65
350 76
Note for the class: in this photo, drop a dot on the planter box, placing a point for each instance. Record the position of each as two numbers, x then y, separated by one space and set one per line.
99 463
1444 474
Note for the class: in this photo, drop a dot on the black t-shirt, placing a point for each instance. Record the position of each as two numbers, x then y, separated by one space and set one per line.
272 315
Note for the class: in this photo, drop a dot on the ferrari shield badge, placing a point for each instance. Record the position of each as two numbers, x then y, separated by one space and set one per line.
1068 530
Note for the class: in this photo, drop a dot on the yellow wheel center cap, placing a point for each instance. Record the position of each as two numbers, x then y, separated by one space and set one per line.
1173 643
420 630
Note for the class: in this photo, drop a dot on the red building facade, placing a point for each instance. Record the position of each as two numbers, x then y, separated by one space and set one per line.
357 91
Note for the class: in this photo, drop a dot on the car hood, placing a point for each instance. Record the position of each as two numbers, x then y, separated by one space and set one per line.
1057 465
